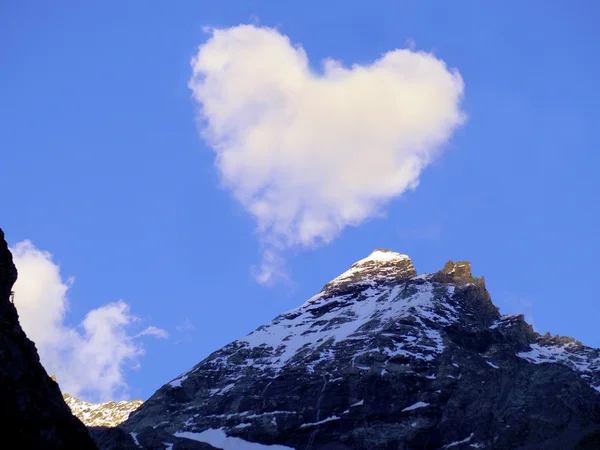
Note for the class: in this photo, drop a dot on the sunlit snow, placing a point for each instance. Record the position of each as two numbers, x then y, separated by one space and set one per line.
382 255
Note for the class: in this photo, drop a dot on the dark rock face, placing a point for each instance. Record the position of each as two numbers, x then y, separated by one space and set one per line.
384 359
33 414
113 438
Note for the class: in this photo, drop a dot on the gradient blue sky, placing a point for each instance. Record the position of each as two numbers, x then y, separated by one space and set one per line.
103 166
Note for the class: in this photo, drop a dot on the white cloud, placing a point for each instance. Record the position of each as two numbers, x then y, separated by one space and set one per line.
185 331
309 154
88 363
271 268
154 331
186 326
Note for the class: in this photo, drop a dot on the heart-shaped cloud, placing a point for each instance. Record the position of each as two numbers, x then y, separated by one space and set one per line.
308 154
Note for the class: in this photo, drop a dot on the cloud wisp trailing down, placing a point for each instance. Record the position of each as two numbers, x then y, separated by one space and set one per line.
89 362
185 332
308 154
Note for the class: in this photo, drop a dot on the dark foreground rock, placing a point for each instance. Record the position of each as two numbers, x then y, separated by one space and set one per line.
384 359
33 414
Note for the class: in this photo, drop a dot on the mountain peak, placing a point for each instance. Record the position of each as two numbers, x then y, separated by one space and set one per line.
382 358
381 265
383 255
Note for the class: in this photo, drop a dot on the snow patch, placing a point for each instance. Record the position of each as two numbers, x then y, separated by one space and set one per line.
493 365
567 355
455 443
218 438
313 424
135 439
415 406
504 320
176 383
495 325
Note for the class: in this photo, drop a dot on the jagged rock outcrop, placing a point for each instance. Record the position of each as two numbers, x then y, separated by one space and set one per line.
384 359
33 414
107 414
102 418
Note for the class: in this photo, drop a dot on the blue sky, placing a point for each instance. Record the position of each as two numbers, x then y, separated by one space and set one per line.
104 167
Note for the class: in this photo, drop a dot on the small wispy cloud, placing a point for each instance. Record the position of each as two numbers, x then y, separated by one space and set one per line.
89 361
185 331
155 332
310 154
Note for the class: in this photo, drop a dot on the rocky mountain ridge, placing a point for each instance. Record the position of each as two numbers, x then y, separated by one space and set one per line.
381 358
32 411
107 414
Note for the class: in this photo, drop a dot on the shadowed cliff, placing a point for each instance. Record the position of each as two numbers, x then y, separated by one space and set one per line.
33 414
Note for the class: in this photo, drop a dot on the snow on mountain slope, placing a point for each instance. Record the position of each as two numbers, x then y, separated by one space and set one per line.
295 337
346 316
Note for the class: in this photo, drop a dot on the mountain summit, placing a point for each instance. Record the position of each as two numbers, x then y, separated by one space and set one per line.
382 358
380 266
